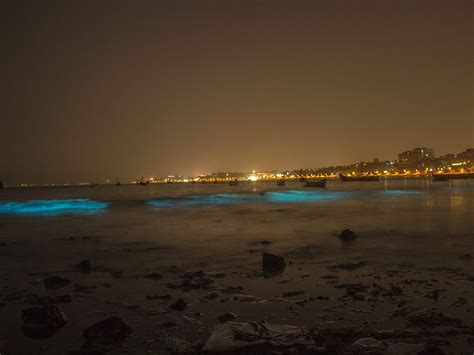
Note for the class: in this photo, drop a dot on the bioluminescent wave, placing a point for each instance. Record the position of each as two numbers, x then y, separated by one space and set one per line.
53 207
400 192
290 196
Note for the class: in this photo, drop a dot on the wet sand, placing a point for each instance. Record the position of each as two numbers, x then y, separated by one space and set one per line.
398 283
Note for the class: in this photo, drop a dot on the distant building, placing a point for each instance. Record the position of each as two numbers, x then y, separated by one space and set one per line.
415 159
467 155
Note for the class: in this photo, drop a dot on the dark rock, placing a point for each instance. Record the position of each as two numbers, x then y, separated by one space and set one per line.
109 331
84 266
226 317
273 263
265 242
55 282
154 276
292 294
347 235
179 305
42 321
466 257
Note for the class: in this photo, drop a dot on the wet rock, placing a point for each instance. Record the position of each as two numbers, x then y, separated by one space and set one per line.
109 331
179 305
370 345
226 317
154 276
55 282
42 321
258 337
466 257
273 263
432 318
84 266
347 235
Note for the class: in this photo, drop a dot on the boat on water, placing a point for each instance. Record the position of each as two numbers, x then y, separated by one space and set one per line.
448 176
318 183
117 182
234 182
281 183
346 178
1 184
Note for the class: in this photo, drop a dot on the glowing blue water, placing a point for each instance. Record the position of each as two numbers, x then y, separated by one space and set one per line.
289 196
53 207
399 192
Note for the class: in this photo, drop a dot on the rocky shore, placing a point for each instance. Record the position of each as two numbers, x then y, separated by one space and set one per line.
293 301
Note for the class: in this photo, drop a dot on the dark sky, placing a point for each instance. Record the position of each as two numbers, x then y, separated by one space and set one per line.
99 89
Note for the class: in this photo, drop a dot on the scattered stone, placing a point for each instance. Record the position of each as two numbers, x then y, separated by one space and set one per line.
466 257
154 276
179 305
265 242
226 317
41 322
55 282
329 277
109 331
368 345
273 263
347 235
84 266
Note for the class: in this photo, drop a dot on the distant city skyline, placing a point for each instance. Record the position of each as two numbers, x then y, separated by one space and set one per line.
375 163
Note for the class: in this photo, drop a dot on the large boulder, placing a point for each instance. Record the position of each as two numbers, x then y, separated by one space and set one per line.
42 321
273 263
109 331
347 235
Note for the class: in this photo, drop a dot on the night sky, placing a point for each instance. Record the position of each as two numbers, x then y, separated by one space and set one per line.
104 89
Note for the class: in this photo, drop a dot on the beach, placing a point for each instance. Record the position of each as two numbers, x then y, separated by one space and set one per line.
175 262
